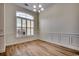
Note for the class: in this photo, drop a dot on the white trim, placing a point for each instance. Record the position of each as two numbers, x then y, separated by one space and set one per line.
22 41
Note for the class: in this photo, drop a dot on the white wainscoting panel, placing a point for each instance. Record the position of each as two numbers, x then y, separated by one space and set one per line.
75 41
66 40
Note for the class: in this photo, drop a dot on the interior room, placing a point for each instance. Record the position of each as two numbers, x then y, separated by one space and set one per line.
39 29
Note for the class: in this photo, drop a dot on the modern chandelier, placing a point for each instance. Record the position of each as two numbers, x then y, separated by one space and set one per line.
38 8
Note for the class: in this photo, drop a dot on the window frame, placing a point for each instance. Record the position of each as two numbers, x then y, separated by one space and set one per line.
25 27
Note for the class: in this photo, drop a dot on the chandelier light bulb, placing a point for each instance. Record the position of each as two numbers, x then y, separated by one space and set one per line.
42 9
34 10
34 6
39 11
40 6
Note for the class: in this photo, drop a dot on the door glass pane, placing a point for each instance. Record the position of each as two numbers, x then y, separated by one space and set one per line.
24 31
23 23
28 31
28 23
18 24
18 32
32 23
32 31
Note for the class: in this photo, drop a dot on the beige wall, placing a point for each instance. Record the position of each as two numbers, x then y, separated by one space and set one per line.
10 24
2 42
59 18
1 16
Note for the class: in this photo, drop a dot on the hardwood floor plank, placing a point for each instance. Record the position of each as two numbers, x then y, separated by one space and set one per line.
38 48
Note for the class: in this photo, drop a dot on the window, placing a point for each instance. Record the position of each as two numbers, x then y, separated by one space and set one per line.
24 24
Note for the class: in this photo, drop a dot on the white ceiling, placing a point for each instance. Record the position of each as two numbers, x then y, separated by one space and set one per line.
30 5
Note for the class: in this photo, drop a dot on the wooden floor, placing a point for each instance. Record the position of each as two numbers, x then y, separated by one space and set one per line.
38 48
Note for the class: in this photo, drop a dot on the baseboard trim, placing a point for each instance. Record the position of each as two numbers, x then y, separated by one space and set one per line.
66 46
19 42
3 50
